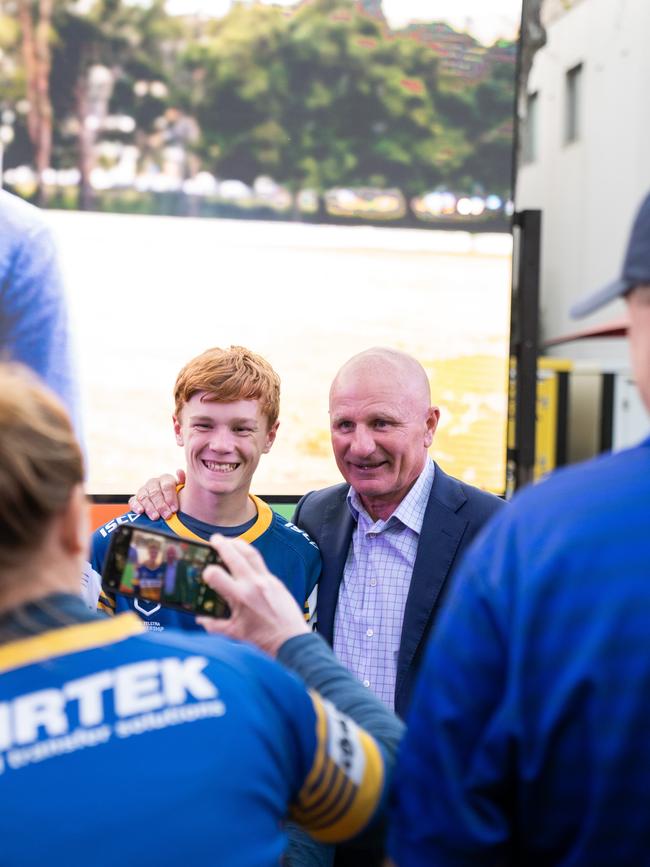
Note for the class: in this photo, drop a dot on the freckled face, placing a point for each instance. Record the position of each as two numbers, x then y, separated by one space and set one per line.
223 442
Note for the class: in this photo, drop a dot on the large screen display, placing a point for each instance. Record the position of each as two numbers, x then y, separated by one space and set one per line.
308 179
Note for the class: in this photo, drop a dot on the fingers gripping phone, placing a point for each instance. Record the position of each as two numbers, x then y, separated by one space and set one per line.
147 564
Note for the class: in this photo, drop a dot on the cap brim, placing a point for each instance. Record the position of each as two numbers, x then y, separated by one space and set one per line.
598 299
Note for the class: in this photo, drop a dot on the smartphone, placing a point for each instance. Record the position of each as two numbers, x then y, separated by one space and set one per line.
148 564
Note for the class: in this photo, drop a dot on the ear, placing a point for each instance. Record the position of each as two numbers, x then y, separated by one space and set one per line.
75 523
270 437
431 422
178 430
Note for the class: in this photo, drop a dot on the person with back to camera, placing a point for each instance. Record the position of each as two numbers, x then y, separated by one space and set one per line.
527 739
207 741
225 417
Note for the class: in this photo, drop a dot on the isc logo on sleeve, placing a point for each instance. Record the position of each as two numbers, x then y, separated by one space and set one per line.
117 522
300 532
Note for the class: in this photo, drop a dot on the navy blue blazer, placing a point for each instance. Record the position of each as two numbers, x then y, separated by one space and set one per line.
455 513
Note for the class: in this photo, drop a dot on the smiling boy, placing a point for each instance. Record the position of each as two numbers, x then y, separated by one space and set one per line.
226 405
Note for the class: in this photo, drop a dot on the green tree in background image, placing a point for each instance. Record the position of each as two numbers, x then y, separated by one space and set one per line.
316 96
127 43
320 98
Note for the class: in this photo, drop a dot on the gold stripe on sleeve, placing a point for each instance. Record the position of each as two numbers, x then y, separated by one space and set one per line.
334 803
106 604
312 783
365 800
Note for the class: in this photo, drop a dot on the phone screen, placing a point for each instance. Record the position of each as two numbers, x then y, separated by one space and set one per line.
159 568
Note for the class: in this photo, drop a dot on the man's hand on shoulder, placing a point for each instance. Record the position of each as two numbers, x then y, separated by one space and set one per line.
158 497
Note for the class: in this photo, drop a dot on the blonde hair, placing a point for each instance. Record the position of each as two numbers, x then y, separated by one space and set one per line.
40 461
227 375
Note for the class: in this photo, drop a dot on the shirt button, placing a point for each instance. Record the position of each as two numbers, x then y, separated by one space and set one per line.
370 632
373 582
371 535
366 683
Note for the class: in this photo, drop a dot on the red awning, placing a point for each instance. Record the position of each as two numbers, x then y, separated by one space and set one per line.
615 328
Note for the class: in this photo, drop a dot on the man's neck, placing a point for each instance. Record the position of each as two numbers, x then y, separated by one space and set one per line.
378 510
222 510
382 507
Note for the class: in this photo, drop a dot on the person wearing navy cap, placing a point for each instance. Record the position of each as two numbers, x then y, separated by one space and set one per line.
528 740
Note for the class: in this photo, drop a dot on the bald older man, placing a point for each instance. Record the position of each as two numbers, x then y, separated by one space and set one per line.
391 536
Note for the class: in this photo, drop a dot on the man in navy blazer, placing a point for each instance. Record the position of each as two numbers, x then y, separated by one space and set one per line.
382 426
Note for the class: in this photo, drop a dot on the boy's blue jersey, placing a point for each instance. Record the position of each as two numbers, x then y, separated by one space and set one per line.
288 553
194 746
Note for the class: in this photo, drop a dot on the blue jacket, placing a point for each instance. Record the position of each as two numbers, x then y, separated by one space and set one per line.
528 741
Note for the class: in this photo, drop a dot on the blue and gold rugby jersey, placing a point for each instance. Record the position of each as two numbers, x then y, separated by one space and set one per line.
121 746
288 553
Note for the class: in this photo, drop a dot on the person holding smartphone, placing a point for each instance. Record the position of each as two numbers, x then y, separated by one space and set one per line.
214 741
226 406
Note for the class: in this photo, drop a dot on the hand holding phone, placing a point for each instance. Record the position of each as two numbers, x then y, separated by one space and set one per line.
157 567
263 611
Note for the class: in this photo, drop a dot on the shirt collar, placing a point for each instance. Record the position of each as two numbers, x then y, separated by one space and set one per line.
410 511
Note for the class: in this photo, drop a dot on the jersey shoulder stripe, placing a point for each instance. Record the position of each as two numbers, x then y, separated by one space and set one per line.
346 781
69 639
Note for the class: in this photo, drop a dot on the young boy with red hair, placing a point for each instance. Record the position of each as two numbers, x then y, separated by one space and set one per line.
226 406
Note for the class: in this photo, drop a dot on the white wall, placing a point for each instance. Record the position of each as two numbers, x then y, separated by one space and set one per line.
589 190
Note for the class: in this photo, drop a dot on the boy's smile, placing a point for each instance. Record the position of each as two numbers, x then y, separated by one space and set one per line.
223 444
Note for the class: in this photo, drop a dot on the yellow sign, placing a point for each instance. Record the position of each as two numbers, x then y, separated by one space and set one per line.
546 427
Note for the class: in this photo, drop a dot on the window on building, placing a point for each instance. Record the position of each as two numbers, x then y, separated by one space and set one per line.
573 99
529 129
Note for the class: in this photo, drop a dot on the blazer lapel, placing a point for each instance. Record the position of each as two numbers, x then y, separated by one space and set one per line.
334 542
442 531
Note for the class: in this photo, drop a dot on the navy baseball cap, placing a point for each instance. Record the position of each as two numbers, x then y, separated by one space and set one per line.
636 267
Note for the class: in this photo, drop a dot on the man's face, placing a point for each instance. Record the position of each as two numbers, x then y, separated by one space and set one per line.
639 334
171 555
381 430
223 442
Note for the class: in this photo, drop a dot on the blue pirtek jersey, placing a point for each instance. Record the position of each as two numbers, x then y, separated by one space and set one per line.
120 747
288 553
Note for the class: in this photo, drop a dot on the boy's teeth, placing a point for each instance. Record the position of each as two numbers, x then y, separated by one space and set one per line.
220 468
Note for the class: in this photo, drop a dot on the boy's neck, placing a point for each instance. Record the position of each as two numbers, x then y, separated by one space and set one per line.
221 510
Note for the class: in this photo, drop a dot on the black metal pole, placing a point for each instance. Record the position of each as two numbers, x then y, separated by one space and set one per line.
524 346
